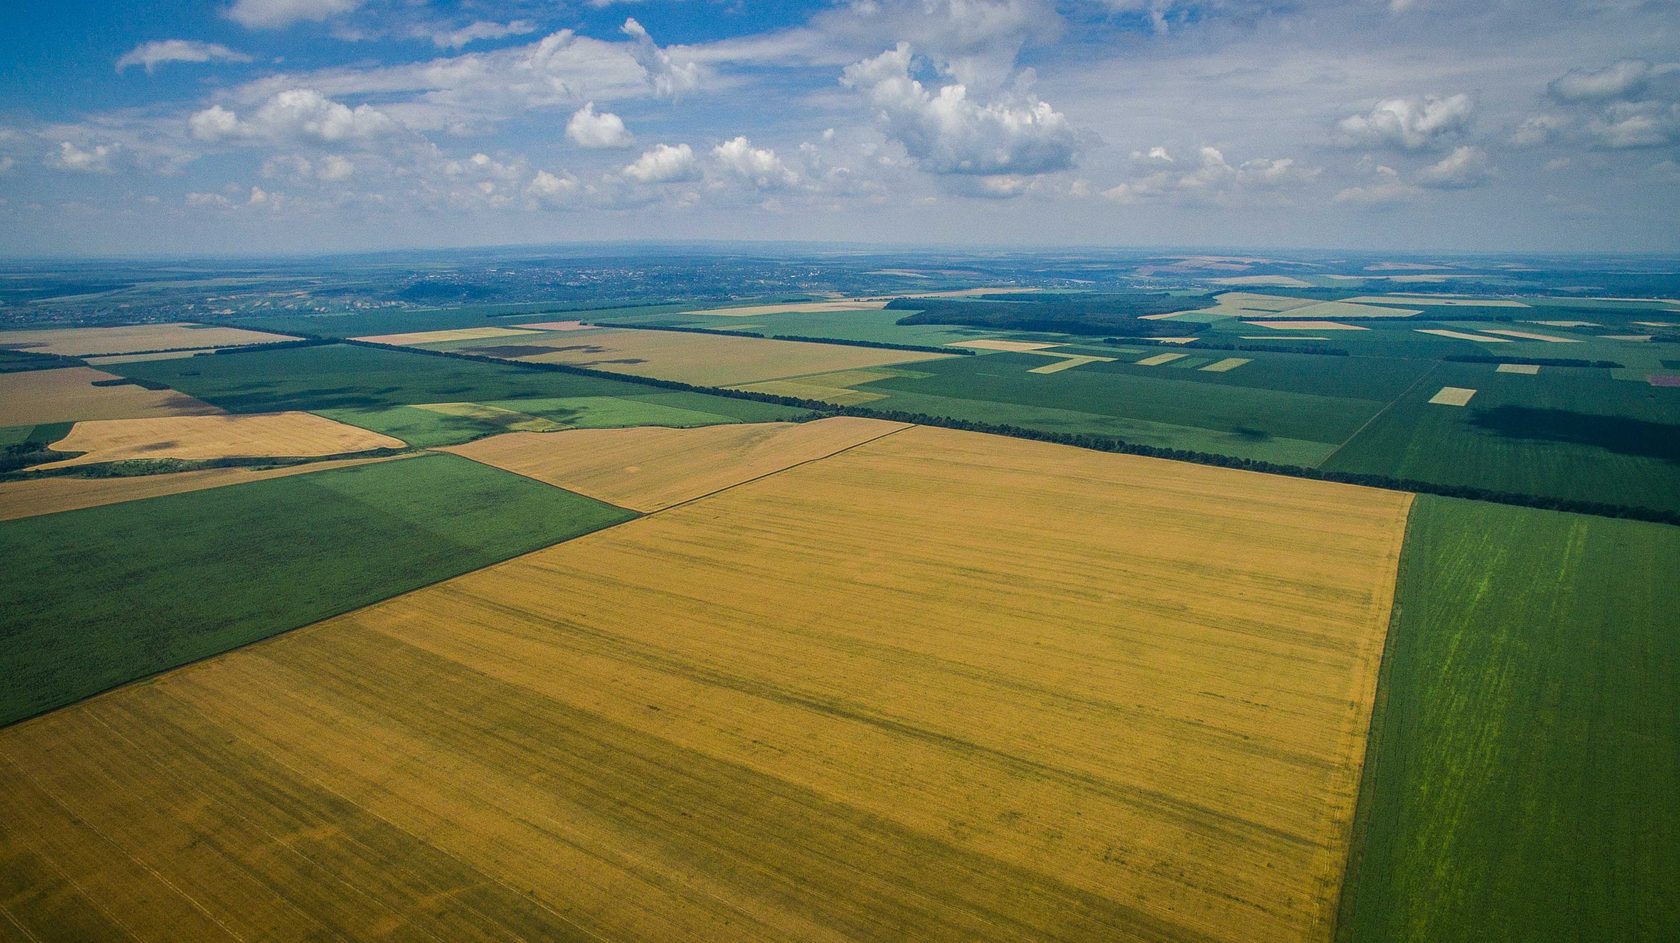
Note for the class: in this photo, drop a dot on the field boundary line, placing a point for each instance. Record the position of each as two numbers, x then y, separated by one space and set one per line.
1380 413
1340 919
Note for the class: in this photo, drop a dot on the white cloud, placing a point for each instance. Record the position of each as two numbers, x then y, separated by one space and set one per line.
208 200
1464 168
295 115
333 168
666 75
159 52
1408 123
1387 189
93 160
548 189
1626 78
595 130
664 164
1210 178
274 14
948 132
480 30
758 165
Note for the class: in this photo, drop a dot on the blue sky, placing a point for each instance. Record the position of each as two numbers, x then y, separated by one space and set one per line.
297 125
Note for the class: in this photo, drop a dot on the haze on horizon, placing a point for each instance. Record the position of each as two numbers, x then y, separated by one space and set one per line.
315 125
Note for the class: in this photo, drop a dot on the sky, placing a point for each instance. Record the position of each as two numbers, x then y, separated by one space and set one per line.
281 126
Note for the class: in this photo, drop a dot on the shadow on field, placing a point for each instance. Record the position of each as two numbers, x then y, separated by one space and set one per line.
1612 433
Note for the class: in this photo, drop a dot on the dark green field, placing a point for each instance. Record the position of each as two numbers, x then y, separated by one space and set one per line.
370 387
1526 753
105 595
1566 433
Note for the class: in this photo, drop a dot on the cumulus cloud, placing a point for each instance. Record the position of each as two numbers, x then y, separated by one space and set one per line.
160 52
92 160
591 129
948 132
1624 79
1387 188
666 75
332 168
548 189
1408 123
664 164
758 165
295 115
1209 178
1464 168
275 14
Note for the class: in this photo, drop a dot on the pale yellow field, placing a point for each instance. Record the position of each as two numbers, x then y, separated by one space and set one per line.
262 435
1175 340
1461 336
998 343
32 497
559 326
128 339
712 359
439 337
1343 309
1160 359
798 307
828 387
1308 326
32 397
649 468
1429 300
1227 365
1526 369
1263 281
1567 323
142 358
1273 337
1066 362
942 686
1636 338
1530 336
1452 396
1242 304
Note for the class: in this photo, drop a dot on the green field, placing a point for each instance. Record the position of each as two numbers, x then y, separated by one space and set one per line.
1526 752
370 387
1575 434
405 320
105 595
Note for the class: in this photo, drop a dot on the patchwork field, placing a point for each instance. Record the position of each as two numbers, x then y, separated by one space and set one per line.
263 435
35 496
121 591
382 389
135 338
701 359
1528 752
65 395
771 714
648 469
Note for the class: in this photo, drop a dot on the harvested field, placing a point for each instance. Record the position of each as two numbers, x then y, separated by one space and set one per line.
1461 336
649 468
1525 369
1160 359
828 387
798 307
68 395
1531 336
134 338
1175 340
1566 323
1452 396
199 438
1636 338
1067 362
772 714
998 343
1264 281
1308 326
33 497
1343 309
1663 379
1273 337
159 355
1434 300
559 326
1226 365
714 360
440 337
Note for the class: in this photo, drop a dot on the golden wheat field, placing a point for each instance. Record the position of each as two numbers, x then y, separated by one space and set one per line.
649 468
706 359
258 435
940 686
35 496
133 338
63 395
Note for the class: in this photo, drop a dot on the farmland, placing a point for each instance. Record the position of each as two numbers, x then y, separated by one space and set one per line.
1528 754
212 437
1152 735
70 393
137 338
155 583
